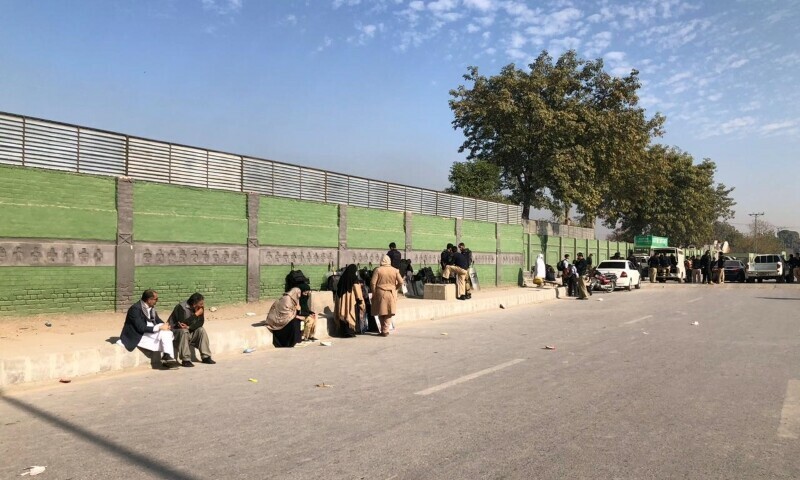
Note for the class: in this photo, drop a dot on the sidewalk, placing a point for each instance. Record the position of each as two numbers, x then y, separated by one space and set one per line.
84 344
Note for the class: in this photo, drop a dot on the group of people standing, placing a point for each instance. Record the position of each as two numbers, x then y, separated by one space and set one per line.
573 275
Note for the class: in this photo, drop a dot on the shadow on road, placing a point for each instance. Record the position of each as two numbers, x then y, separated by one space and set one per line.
154 466
778 298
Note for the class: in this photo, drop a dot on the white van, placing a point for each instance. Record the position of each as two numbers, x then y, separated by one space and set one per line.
677 272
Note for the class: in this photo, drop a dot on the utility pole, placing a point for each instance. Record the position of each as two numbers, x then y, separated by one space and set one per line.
755 229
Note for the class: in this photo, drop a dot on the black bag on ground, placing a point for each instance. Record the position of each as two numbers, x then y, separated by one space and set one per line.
425 275
333 281
295 278
405 266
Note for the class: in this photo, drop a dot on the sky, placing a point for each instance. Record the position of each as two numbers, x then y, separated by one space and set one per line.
362 86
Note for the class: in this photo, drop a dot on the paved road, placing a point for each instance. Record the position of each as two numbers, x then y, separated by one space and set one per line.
632 390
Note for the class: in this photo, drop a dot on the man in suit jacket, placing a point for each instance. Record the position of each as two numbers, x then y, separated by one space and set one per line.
143 328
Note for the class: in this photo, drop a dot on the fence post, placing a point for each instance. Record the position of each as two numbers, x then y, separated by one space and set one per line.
342 235
408 223
498 269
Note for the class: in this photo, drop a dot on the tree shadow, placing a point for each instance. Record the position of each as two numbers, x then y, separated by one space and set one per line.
778 298
154 466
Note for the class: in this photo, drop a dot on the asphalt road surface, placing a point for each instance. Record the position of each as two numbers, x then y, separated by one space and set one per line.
631 390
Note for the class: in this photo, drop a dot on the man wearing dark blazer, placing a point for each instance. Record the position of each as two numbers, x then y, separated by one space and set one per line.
143 328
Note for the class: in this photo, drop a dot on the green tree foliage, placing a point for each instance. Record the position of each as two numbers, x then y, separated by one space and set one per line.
672 197
762 239
561 133
476 179
789 238
725 232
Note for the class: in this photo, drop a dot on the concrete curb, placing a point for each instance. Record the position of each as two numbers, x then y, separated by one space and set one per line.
107 357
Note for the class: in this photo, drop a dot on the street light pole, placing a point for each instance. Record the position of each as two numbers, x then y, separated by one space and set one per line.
755 229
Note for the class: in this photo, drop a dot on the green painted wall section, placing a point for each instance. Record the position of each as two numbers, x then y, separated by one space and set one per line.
432 233
510 238
510 275
273 278
169 213
487 276
478 236
283 221
42 290
375 228
46 204
218 284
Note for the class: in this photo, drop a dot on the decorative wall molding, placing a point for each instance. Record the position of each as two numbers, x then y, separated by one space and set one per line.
362 256
189 254
298 256
484 258
510 259
43 253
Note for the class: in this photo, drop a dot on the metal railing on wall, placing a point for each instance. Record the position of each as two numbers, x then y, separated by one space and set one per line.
33 142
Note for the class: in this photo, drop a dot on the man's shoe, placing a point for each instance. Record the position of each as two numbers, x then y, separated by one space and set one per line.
187 363
171 365
167 358
313 339
208 361
383 334
462 297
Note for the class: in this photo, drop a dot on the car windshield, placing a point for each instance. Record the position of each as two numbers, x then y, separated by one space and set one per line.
614 265
732 263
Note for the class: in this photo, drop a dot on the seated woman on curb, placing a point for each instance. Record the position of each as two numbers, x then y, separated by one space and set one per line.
283 322
349 302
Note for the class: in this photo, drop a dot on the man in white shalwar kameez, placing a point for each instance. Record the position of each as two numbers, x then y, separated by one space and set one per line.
144 329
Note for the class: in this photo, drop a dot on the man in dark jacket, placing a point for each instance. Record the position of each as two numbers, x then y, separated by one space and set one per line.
705 265
582 268
394 255
144 329
663 265
460 267
652 264
187 320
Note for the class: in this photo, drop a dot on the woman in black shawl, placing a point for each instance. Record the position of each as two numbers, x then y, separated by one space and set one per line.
349 302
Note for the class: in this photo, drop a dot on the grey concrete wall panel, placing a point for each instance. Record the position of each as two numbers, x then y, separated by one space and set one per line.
298 256
510 259
186 254
253 250
59 253
363 256
408 223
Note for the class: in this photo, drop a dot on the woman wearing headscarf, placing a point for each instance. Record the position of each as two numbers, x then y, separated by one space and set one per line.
539 271
385 281
283 322
349 302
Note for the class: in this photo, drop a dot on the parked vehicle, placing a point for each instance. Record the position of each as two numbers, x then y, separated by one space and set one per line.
734 271
765 267
601 282
676 272
627 275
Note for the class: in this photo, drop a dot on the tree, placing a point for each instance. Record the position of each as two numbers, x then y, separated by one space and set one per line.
725 232
673 197
476 179
789 238
762 239
559 132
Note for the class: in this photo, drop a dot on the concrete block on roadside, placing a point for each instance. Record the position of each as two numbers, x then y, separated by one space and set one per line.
436 291
321 302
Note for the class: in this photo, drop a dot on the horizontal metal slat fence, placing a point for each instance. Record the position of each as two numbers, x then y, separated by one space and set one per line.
33 142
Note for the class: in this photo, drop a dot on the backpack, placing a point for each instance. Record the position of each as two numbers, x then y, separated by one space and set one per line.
295 278
333 281
405 266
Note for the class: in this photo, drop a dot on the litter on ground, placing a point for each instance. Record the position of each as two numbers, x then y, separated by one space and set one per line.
324 385
213 309
34 470
252 380
326 344
599 299
695 323
64 380
249 350
250 314
48 324
549 347
502 306
443 334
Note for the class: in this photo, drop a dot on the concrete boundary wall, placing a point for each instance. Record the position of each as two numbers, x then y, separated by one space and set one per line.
168 236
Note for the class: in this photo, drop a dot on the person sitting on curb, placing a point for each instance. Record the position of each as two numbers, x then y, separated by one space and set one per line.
282 320
144 329
187 321
306 315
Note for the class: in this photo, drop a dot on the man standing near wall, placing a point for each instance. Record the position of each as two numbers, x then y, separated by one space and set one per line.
459 266
582 269
467 253
187 321
394 255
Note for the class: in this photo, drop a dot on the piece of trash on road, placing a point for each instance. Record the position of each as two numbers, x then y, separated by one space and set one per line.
252 380
250 314
213 309
48 324
324 385
325 344
645 333
549 347
249 350
502 306
695 323
599 299
64 380
34 470
443 334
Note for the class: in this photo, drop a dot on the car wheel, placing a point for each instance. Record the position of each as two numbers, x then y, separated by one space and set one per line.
751 280
760 280
639 284
741 278
781 280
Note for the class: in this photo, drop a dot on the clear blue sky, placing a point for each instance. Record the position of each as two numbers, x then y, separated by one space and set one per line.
361 86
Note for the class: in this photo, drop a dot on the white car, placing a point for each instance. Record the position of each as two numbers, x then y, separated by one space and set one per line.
627 275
